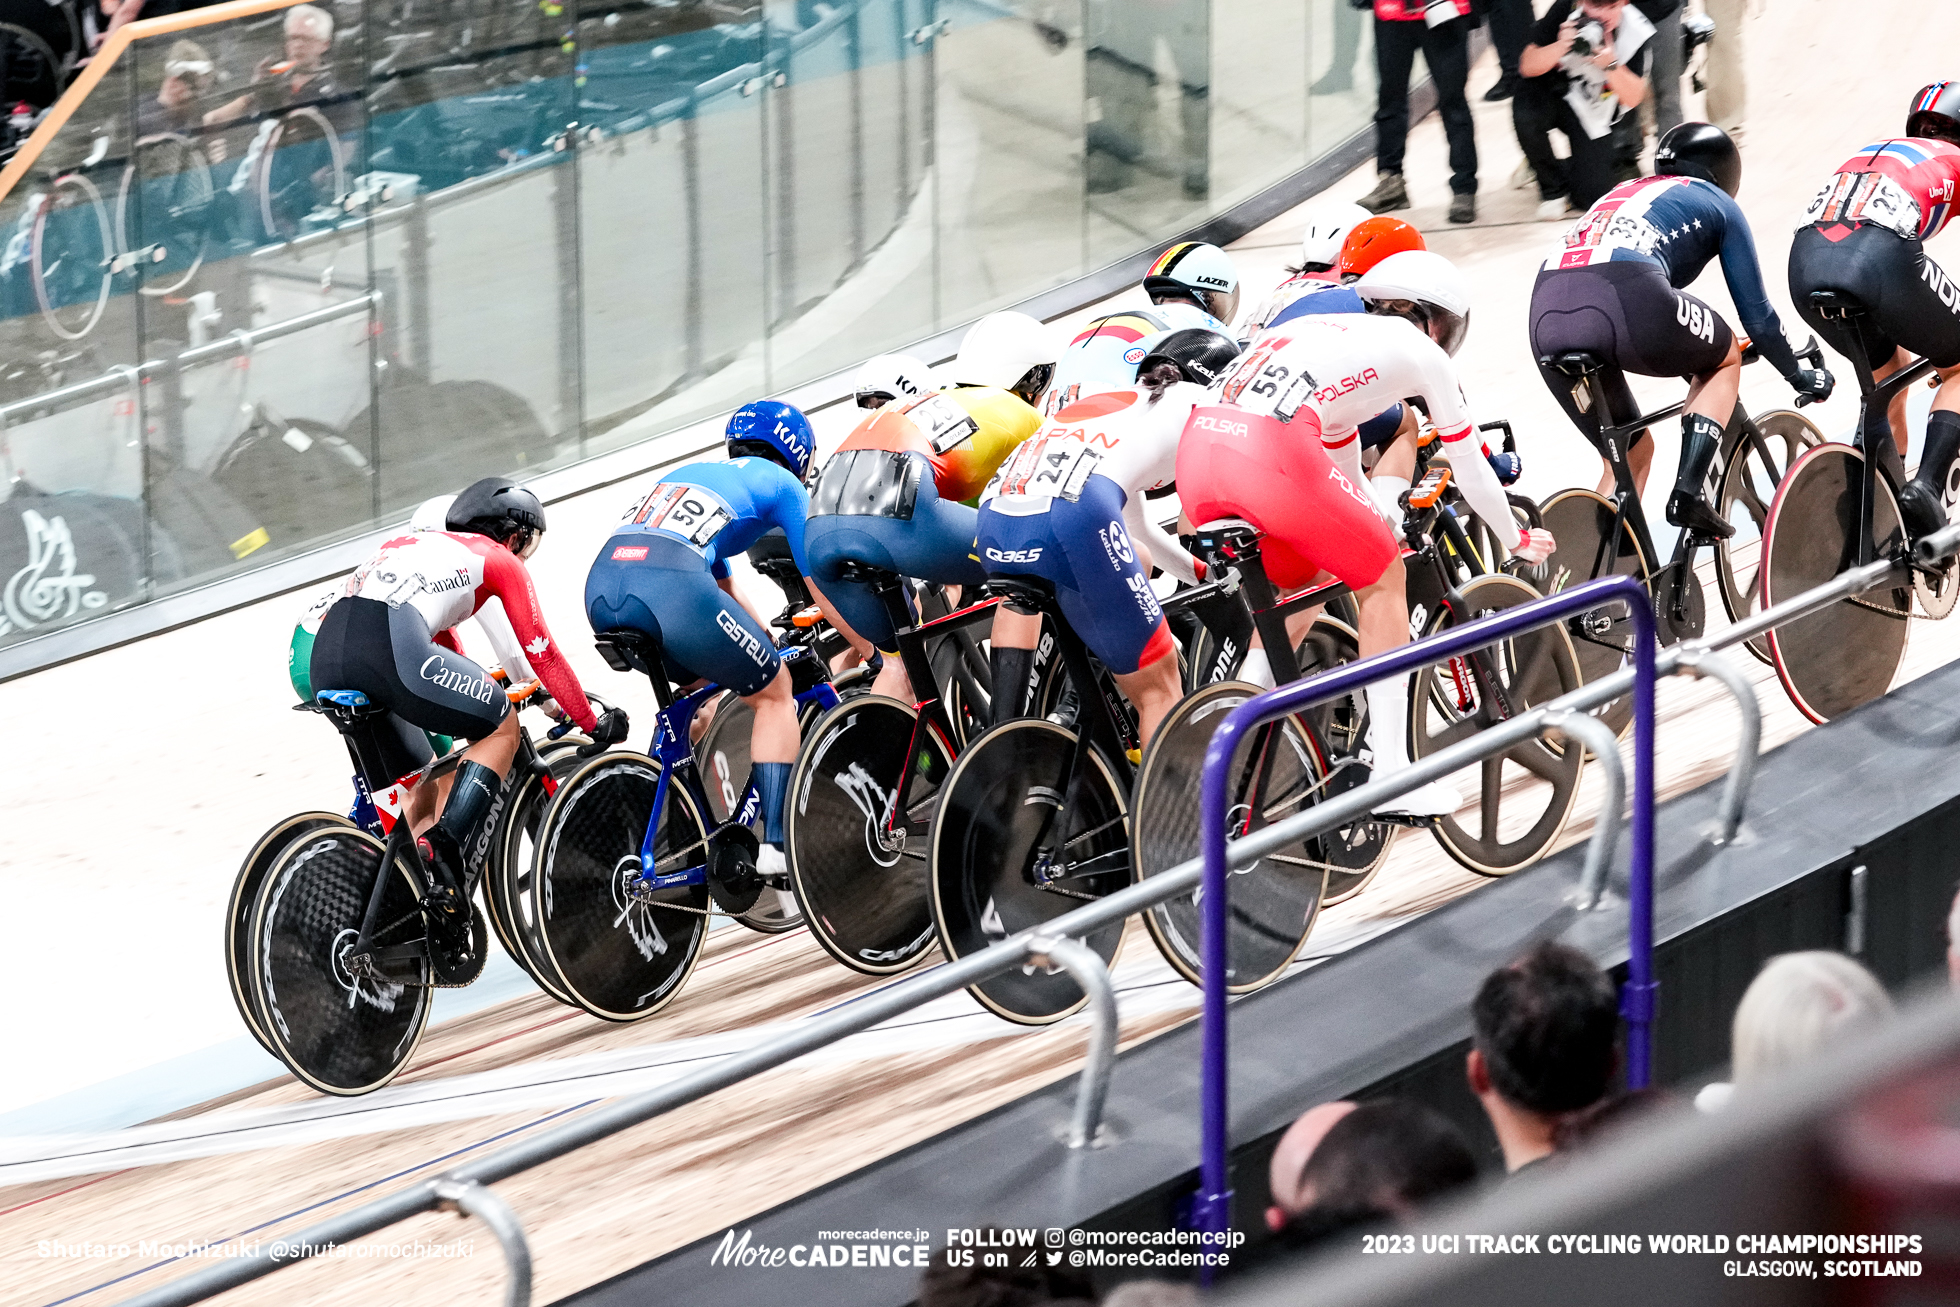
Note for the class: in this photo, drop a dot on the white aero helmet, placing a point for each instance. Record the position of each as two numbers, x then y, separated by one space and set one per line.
1425 288
888 377
1009 350
1198 271
1327 229
432 514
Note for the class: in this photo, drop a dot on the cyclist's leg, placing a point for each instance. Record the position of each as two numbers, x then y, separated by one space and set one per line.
1577 309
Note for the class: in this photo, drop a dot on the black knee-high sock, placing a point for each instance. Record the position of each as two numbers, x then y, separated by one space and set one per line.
471 799
1012 669
1942 443
1700 438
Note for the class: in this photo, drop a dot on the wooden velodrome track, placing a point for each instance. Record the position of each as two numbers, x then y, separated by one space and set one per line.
703 1169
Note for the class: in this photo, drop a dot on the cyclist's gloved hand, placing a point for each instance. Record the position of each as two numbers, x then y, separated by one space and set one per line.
1509 467
1813 386
1534 546
611 730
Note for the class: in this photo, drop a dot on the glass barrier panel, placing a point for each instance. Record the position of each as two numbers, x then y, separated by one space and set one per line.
1148 101
1259 111
1341 96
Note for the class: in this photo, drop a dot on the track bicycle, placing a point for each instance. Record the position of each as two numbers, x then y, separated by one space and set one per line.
1837 509
1598 536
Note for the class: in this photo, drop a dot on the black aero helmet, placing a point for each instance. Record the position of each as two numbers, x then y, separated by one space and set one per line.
1700 150
499 508
1200 353
1935 112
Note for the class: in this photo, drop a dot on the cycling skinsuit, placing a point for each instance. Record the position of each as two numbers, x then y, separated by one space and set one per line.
1612 288
1314 299
391 635
1863 235
657 573
890 496
1068 505
1103 356
1300 283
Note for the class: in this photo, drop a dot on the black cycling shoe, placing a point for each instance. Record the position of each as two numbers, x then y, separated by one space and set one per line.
1691 512
1920 509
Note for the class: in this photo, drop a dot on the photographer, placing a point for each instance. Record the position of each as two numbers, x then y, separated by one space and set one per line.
1582 72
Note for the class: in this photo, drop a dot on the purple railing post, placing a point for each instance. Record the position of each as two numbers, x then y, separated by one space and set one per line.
1212 1207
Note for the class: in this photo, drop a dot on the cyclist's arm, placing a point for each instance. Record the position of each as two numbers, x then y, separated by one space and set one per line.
1164 549
1471 471
509 649
505 578
1745 277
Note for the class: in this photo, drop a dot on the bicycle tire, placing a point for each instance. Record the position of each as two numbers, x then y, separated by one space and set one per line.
1536 668
864 898
1747 488
984 844
238 909
340 1035
280 226
1275 901
723 759
618 959
1847 654
507 880
1602 638
1356 852
198 191
43 270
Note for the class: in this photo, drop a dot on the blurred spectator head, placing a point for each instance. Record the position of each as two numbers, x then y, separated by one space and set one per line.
309 35
1544 1042
188 73
1289 1163
1608 1117
1151 1293
1797 1003
1953 942
946 1285
1376 1164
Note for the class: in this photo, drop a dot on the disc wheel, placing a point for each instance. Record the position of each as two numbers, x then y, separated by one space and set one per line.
1525 794
508 896
1276 773
1601 638
723 756
166 200
1340 727
1846 654
621 952
302 168
72 251
340 1033
1012 850
860 875
1748 487
244 895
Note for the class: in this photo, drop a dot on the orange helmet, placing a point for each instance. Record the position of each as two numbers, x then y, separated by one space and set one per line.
1368 243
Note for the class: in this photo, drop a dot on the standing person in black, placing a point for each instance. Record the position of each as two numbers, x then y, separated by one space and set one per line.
1583 71
1440 29
1510 31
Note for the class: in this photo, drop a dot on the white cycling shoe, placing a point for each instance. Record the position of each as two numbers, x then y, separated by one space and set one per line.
770 862
1435 799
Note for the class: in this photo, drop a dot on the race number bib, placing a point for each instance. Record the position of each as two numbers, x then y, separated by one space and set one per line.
1049 465
1872 197
944 424
694 514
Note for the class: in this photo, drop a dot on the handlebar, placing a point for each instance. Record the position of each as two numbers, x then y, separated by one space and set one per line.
1504 425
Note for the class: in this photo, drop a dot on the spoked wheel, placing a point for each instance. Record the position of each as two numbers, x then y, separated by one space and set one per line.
621 950
1601 638
73 251
859 871
1525 794
1848 653
509 878
1012 850
244 896
1748 487
165 205
340 1032
1340 727
302 167
1277 773
722 754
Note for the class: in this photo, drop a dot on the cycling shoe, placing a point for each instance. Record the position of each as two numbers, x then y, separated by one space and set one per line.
1921 510
1692 513
1432 800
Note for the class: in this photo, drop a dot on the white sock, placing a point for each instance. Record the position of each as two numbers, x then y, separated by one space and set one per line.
1388 725
1257 669
1388 492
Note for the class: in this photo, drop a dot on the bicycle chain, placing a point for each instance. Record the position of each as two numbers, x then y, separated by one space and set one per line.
1901 614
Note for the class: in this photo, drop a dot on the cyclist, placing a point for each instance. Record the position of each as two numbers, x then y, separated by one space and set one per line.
1278 448
1068 506
887 377
664 571
391 635
1864 234
1328 227
1191 284
1366 245
1612 287
897 495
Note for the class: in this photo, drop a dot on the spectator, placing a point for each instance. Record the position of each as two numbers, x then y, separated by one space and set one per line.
1544 1044
1440 29
188 76
1728 85
1607 1117
1373 1164
1289 1162
943 1285
1797 1004
1580 93
1510 30
1339 76
303 74
1151 1293
1666 64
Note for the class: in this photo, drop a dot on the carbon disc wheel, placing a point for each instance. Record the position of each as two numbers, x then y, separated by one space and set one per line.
508 880
339 1031
1277 773
166 200
71 251
1011 851
244 896
1847 654
1340 726
622 951
1602 638
1747 489
723 756
859 872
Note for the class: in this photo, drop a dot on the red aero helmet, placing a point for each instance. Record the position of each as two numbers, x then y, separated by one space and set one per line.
1374 240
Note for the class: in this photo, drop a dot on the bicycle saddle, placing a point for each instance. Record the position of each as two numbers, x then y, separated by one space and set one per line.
855 571
1573 363
344 706
1836 303
628 650
1022 594
1231 536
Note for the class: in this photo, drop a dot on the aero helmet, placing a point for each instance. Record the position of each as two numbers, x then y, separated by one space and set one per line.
432 514
1009 350
1201 354
892 376
499 508
1327 226
1700 150
1374 240
773 430
1425 288
1194 270
1935 112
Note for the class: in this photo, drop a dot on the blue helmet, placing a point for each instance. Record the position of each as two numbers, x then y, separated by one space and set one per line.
771 429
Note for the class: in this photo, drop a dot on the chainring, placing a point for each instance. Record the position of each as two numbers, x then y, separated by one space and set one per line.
733 881
457 954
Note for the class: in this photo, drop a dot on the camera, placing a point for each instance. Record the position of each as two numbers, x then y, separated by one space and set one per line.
1590 37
